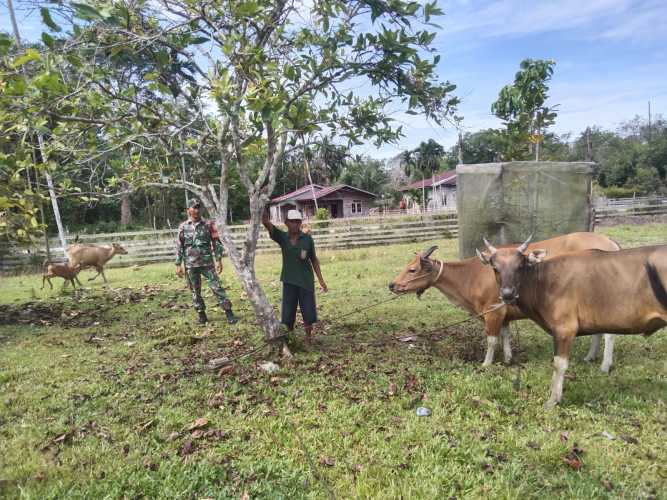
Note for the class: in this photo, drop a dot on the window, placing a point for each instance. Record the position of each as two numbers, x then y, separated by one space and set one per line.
356 207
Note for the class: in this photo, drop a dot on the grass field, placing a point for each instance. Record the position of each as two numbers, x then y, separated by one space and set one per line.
103 394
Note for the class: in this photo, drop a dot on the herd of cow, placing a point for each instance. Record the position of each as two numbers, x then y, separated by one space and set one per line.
573 285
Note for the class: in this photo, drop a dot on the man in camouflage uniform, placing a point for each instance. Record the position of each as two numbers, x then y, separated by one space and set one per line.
196 243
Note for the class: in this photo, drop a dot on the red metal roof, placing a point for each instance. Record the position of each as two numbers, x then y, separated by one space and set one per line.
293 194
305 193
444 178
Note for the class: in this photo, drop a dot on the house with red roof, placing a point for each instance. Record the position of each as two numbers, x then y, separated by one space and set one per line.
340 200
435 192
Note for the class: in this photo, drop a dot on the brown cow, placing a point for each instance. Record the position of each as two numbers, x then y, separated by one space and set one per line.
583 293
471 285
88 255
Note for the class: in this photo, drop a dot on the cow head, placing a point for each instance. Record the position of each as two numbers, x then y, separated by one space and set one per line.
508 265
117 249
417 276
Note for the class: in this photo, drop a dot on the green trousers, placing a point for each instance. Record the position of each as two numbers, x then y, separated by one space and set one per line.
194 275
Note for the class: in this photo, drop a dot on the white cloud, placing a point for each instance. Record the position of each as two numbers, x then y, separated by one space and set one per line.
617 19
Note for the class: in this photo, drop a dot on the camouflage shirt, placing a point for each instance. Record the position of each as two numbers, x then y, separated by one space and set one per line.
196 243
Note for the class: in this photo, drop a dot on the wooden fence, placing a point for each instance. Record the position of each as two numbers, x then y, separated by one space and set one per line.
146 247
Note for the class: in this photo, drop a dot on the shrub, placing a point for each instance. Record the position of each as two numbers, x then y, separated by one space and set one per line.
322 214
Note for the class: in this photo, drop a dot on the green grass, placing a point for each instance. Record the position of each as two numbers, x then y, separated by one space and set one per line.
96 402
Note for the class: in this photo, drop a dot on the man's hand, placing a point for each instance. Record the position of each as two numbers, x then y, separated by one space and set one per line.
219 268
179 271
324 287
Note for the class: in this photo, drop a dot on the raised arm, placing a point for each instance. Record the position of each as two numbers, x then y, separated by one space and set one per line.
266 220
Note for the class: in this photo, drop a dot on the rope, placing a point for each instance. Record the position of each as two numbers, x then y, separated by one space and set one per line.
311 464
516 383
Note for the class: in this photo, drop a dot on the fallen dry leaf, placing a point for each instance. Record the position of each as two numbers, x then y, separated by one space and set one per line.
187 448
198 424
145 425
573 457
329 462
393 389
226 370
196 434
573 462
564 436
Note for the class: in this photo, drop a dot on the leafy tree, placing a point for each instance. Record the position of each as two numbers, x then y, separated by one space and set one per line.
425 160
255 78
521 106
365 173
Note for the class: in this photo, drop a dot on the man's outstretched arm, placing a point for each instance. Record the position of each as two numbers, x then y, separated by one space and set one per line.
266 221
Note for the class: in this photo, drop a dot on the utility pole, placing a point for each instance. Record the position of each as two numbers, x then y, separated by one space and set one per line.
460 148
649 121
589 152
40 142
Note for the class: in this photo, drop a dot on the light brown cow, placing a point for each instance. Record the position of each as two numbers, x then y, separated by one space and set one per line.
65 271
471 285
88 255
583 293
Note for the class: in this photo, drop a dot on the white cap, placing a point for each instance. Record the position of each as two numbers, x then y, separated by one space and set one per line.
294 215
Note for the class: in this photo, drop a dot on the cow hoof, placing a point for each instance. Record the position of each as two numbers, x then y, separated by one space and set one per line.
588 359
486 364
605 369
551 404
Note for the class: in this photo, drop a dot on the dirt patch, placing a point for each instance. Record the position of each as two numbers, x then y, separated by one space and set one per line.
82 309
30 313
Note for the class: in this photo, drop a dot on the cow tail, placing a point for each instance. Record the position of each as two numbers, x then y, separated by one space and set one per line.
657 285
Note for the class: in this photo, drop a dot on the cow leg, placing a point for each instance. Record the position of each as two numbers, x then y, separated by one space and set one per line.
507 343
492 326
491 342
103 275
77 280
563 343
594 349
608 356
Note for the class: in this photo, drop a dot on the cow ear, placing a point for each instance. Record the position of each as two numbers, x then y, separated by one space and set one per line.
425 263
536 256
484 257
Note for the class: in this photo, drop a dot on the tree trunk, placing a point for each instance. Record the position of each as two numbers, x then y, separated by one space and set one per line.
125 207
244 265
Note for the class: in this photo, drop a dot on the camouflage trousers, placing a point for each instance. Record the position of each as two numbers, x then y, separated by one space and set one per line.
194 275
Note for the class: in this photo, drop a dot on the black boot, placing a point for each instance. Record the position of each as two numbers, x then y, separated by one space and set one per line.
231 319
227 307
202 319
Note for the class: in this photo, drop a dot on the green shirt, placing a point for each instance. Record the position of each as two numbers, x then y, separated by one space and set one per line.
297 259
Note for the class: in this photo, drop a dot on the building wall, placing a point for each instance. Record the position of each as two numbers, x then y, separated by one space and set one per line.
351 203
445 197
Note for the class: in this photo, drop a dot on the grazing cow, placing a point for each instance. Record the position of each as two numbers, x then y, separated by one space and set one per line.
471 285
583 293
88 255
65 271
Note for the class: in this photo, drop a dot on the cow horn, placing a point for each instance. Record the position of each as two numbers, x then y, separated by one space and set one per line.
491 248
522 248
428 252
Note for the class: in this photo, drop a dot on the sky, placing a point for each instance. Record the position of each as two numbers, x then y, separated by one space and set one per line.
611 60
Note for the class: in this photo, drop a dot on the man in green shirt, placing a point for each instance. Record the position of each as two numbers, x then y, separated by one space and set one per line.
299 262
